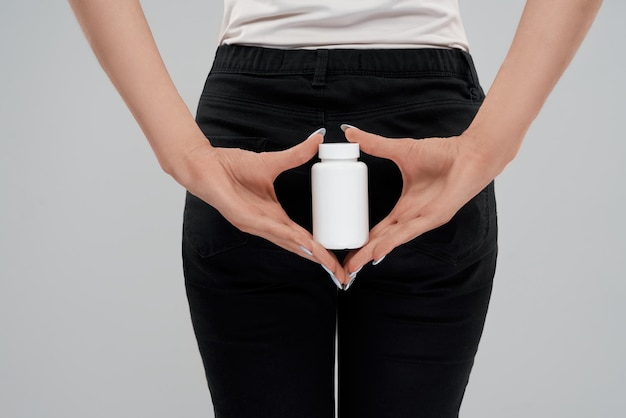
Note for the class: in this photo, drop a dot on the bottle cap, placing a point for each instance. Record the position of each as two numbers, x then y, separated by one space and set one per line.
339 151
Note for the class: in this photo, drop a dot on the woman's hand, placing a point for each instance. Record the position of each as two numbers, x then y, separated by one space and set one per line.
237 183
240 185
439 176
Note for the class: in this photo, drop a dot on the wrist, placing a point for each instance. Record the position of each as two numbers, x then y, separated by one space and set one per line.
490 149
183 162
496 132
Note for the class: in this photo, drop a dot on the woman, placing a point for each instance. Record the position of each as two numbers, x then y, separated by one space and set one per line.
264 312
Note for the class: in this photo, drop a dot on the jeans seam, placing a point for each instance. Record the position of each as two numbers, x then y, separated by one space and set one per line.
400 108
258 105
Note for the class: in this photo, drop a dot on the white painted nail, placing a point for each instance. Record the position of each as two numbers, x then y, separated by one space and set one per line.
354 273
321 131
333 277
344 127
352 276
377 262
346 287
306 251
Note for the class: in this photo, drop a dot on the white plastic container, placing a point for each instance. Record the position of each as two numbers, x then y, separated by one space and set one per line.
340 203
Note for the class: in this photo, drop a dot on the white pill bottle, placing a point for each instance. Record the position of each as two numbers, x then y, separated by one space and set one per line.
340 200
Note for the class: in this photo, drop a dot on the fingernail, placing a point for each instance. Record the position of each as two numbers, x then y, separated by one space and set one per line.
332 276
346 287
321 131
345 126
352 276
306 251
377 262
354 273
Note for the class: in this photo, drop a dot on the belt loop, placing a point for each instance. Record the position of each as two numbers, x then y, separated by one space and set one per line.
321 64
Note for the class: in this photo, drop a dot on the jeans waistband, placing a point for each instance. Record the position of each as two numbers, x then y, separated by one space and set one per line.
380 62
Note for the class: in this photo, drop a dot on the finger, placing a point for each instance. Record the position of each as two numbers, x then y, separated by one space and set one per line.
287 234
356 259
328 260
300 241
403 211
298 154
369 252
298 237
388 235
397 214
378 247
373 144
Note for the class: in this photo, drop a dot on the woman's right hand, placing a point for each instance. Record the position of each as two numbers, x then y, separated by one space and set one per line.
237 183
240 185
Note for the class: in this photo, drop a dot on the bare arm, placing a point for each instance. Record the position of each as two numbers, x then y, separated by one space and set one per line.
240 184
549 34
119 34
441 175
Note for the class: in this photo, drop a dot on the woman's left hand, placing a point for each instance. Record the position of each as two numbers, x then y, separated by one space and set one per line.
439 176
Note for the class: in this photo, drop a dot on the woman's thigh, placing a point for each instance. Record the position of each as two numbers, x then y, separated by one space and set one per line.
409 328
265 325
264 318
408 331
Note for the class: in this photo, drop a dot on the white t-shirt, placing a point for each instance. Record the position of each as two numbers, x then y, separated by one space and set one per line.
343 24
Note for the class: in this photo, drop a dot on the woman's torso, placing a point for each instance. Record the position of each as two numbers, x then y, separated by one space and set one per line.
343 24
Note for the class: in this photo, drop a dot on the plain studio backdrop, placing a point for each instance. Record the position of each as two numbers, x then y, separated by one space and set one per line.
93 315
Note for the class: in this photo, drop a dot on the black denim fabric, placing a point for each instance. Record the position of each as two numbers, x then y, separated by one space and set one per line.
266 319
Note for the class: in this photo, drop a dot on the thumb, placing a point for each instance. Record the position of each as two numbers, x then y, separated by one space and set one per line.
298 154
370 143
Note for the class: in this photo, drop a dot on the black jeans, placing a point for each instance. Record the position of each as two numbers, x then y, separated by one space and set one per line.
266 319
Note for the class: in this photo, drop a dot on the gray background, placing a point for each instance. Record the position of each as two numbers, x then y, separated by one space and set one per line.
93 316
